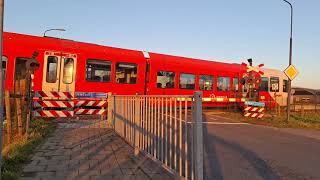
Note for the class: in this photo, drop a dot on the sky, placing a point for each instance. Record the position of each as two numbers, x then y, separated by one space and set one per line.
220 30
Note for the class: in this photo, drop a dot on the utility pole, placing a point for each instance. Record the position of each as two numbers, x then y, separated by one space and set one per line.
290 62
1 82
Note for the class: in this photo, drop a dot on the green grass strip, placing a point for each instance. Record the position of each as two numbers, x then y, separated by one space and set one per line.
20 152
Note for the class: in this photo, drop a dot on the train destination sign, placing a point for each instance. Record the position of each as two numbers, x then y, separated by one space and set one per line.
291 72
91 95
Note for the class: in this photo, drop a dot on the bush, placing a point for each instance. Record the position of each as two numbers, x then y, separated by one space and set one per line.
7 175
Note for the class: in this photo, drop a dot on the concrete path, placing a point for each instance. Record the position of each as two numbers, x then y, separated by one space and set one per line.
87 149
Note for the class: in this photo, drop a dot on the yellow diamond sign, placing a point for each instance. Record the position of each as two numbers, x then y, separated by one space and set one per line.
291 72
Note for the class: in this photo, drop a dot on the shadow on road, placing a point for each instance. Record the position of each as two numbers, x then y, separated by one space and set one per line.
213 164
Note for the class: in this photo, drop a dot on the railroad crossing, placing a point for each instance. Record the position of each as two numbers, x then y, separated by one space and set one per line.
153 124
232 150
160 128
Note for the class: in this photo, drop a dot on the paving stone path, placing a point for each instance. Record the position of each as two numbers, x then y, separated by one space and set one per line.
88 149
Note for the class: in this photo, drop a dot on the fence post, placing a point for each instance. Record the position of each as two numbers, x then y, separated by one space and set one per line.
315 102
8 116
29 96
198 136
113 112
19 115
110 109
302 108
136 130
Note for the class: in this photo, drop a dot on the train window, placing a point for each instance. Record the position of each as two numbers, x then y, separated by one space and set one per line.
126 73
187 81
264 84
52 69
165 79
98 70
4 66
285 85
274 84
20 71
235 84
223 84
68 70
206 82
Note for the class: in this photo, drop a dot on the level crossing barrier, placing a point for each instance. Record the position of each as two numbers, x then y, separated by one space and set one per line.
254 109
90 107
68 104
163 128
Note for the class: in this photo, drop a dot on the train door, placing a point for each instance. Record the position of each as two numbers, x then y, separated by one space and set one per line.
59 71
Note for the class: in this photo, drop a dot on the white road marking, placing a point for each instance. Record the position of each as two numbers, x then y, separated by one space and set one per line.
212 118
228 123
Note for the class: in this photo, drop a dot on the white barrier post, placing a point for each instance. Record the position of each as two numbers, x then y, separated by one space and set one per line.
198 136
136 130
110 109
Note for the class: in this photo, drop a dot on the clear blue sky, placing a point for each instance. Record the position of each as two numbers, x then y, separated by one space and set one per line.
224 30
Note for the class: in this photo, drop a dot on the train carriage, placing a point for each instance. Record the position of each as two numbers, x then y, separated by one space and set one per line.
180 75
67 65
73 66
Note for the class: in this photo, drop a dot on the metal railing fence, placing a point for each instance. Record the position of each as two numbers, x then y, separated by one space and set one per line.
164 128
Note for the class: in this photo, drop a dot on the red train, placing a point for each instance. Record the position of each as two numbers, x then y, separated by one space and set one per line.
67 65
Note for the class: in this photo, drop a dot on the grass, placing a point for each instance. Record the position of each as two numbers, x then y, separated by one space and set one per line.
306 121
19 153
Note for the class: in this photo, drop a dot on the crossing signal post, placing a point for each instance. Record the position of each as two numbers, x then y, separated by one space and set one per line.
252 80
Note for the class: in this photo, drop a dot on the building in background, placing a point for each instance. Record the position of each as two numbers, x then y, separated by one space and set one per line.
306 95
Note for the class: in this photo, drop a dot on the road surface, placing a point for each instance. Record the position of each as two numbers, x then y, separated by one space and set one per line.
234 150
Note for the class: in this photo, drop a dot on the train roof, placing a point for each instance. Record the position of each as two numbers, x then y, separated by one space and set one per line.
52 43
193 62
274 72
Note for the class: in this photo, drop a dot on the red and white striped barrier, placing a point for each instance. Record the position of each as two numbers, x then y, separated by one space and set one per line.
254 112
80 111
53 104
53 113
254 115
63 104
96 103
90 104
254 109
54 94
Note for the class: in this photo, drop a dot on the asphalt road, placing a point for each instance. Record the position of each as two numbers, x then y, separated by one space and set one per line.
243 151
